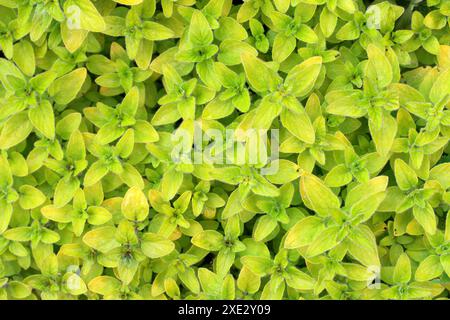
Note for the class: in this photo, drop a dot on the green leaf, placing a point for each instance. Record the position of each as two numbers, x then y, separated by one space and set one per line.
296 120
283 46
6 177
348 31
90 18
43 119
209 240
303 232
429 268
211 283
67 87
379 68
131 176
154 31
362 246
265 113
171 182
30 197
402 270
67 125
258 265
95 172
301 79
258 74
18 234
299 280
445 262
155 246
104 285
15 130
233 205
23 56
75 284
338 176
325 240
425 217
306 34
98 215
264 227
18 289
5 218
75 149
286 171
217 109
405 176
200 33
328 21
230 29
134 205
383 133
344 103
441 87
317 196
248 281
441 173
101 239
65 190
274 289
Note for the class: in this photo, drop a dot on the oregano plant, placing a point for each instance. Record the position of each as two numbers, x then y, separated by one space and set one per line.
219 149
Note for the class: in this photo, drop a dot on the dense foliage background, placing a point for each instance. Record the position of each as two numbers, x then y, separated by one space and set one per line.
98 96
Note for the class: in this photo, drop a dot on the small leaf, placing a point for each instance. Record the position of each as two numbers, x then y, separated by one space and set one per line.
402 270
209 240
155 246
134 205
